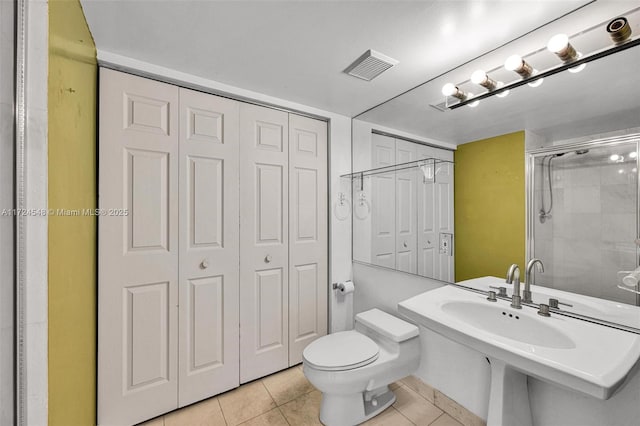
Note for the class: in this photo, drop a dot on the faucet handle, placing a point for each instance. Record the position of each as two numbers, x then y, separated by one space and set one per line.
544 310
553 303
502 291
492 296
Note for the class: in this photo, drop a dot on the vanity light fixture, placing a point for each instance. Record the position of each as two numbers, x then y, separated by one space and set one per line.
573 61
559 44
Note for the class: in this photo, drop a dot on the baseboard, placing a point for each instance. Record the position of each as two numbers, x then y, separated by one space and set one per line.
443 402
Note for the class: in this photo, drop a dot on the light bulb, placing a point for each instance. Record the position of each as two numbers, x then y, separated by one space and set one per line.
621 171
633 154
449 89
517 64
479 77
513 62
614 157
557 43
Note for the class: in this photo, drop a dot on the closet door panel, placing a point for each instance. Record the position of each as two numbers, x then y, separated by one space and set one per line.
138 251
406 217
428 257
209 246
308 288
264 236
383 211
444 215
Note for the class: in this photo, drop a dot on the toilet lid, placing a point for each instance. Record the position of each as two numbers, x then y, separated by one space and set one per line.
341 351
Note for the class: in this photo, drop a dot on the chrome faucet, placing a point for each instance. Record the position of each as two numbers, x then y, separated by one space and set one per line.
513 277
528 278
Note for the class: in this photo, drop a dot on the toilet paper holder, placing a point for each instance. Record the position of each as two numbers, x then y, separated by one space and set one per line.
344 287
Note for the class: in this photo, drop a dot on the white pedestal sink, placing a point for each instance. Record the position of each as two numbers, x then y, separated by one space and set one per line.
589 358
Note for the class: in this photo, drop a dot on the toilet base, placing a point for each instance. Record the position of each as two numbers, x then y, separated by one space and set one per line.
350 410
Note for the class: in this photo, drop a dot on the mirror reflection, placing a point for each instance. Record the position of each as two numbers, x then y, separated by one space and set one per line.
576 133
403 205
584 217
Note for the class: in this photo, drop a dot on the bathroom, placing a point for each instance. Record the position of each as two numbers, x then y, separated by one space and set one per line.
548 171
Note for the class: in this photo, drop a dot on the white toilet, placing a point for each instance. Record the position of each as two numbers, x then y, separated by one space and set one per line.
353 368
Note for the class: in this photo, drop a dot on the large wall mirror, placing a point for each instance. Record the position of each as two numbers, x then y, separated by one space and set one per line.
581 150
402 192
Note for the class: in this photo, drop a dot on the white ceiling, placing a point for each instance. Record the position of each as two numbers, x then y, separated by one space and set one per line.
297 50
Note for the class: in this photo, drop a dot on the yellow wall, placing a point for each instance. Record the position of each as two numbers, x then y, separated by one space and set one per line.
72 240
489 206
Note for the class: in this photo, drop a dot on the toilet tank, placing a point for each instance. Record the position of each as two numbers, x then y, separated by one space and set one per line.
387 325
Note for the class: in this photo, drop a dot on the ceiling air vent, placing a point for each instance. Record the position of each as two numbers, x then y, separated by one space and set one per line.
370 65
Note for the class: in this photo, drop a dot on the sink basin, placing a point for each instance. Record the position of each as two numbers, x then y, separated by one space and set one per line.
580 355
509 324
607 310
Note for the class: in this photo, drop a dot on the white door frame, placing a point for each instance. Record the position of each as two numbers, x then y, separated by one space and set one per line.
31 251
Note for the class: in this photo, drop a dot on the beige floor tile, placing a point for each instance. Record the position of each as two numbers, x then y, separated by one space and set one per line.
446 420
270 418
205 413
414 407
287 385
457 411
246 402
158 421
389 417
419 386
395 385
304 410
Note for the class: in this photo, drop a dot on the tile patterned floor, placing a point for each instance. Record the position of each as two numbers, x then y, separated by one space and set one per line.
287 398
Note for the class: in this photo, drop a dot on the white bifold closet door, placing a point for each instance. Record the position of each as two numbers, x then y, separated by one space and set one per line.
435 215
212 252
138 253
308 231
168 271
383 208
283 238
406 216
209 246
264 241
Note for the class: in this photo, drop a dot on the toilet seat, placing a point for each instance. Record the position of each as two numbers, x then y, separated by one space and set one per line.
345 350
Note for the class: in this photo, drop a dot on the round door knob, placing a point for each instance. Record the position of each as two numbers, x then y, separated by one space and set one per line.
204 264
405 244
267 258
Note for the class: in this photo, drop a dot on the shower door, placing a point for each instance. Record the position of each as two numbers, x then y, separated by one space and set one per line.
583 217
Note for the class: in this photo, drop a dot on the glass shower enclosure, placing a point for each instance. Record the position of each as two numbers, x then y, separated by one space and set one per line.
583 217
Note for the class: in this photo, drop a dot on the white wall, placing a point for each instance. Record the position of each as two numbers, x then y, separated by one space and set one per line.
6 222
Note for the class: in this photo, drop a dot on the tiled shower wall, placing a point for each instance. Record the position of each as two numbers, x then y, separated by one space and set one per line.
590 235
